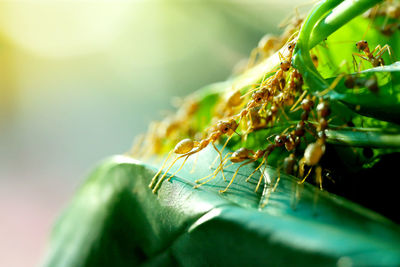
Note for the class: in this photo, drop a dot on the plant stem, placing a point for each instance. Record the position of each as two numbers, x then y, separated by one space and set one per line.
373 138
318 26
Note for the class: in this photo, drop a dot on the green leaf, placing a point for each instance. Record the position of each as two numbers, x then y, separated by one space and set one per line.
381 105
115 220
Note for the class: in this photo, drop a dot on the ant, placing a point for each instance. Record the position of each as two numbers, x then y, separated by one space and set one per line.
316 150
265 48
314 59
376 60
371 83
188 147
246 156
227 106
275 83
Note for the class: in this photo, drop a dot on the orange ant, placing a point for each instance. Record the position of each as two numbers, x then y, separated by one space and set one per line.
265 47
376 60
249 156
246 156
316 150
227 106
314 59
188 147
276 83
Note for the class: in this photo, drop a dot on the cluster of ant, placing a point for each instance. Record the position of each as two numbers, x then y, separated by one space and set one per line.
390 12
170 128
262 107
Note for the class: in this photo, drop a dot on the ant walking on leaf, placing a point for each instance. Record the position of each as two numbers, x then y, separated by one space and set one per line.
244 155
188 147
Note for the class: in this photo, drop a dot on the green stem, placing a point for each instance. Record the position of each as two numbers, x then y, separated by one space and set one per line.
339 16
318 26
373 138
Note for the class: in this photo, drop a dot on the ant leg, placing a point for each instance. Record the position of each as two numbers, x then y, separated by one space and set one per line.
293 108
277 180
355 64
362 57
180 168
383 50
194 164
304 179
260 179
160 170
284 114
222 150
318 174
170 166
234 175
332 85
220 156
214 175
215 172
262 110
248 178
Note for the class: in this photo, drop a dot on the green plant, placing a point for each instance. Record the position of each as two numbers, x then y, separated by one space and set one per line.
116 219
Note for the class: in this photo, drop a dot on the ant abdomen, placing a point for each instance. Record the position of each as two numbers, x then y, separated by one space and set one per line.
235 99
313 153
289 164
184 146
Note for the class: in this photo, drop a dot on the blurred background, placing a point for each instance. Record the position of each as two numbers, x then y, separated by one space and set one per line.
79 79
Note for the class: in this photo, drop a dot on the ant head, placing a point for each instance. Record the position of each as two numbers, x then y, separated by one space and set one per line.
285 65
227 126
223 127
291 46
307 104
362 45
257 96
280 140
233 124
323 109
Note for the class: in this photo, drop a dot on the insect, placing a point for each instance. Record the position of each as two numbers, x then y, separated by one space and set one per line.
266 46
316 150
248 156
376 60
228 105
268 93
188 147
353 81
314 59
